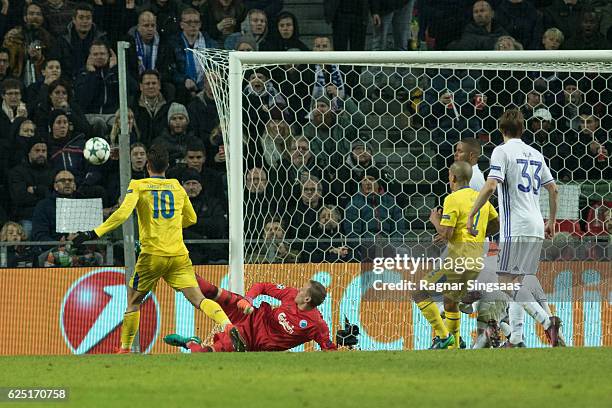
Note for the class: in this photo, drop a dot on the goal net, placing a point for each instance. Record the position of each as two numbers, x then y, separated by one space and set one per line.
337 159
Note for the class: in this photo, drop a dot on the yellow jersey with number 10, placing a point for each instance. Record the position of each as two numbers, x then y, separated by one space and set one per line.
163 209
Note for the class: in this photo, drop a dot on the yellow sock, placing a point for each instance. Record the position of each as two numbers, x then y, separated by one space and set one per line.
129 328
453 323
214 311
432 314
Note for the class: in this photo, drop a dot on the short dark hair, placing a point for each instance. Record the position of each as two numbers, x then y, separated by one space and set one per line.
511 123
59 82
4 50
196 146
473 145
10 83
100 43
317 293
157 157
150 72
82 7
50 59
137 144
28 5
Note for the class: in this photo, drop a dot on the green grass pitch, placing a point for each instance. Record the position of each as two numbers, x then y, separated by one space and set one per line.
572 377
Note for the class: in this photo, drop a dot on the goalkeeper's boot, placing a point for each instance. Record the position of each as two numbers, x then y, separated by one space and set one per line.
492 333
177 340
237 340
441 344
553 332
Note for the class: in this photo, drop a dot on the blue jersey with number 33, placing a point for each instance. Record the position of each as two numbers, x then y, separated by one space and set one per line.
521 172
163 209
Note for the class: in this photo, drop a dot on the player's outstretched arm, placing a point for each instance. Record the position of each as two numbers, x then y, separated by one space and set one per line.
483 197
123 212
274 290
322 338
553 193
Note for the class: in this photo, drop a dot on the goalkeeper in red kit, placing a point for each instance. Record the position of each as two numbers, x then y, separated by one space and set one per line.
296 321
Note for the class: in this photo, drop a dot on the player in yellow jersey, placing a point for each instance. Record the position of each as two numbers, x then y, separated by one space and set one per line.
163 209
465 252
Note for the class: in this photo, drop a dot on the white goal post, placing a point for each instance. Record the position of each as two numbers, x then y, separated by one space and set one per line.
231 104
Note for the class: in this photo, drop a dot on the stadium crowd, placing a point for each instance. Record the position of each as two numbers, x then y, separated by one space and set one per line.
309 173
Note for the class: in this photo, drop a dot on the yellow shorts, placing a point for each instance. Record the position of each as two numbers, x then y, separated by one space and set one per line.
176 270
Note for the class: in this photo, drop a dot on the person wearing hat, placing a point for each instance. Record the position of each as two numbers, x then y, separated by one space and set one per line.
177 135
542 136
212 220
372 212
29 182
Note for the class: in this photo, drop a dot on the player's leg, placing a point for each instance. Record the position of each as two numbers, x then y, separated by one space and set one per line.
131 319
452 320
226 299
431 312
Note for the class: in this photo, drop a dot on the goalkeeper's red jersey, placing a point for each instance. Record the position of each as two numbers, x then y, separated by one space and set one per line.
281 328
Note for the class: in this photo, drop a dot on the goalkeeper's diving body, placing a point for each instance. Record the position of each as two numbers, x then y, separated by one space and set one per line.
296 321
163 210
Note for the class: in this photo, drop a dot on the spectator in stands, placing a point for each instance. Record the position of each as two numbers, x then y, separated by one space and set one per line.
552 39
115 18
97 88
273 142
12 105
387 14
258 199
442 20
43 218
176 136
285 36
59 96
334 125
372 213
186 72
263 101
330 245
298 164
23 132
18 256
507 43
115 132
151 108
29 45
522 21
220 18
74 46
195 159
212 220
568 105
564 15
38 91
542 135
168 13
587 35
304 212
482 33
58 14
245 43
255 25
349 21
147 53
5 64
270 7
450 113
216 151
533 100
203 111
592 150
274 248
29 183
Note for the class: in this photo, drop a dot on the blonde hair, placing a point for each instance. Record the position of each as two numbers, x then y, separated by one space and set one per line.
555 33
4 231
116 129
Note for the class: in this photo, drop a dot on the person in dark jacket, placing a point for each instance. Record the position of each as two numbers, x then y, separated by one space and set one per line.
221 18
270 7
74 45
482 33
203 113
18 256
168 13
212 220
330 245
387 14
563 15
522 21
177 135
29 182
23 131
285 36
151 108
349 21
43 217
587 35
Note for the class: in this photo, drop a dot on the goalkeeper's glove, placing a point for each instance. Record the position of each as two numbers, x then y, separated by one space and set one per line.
246 305
84 236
